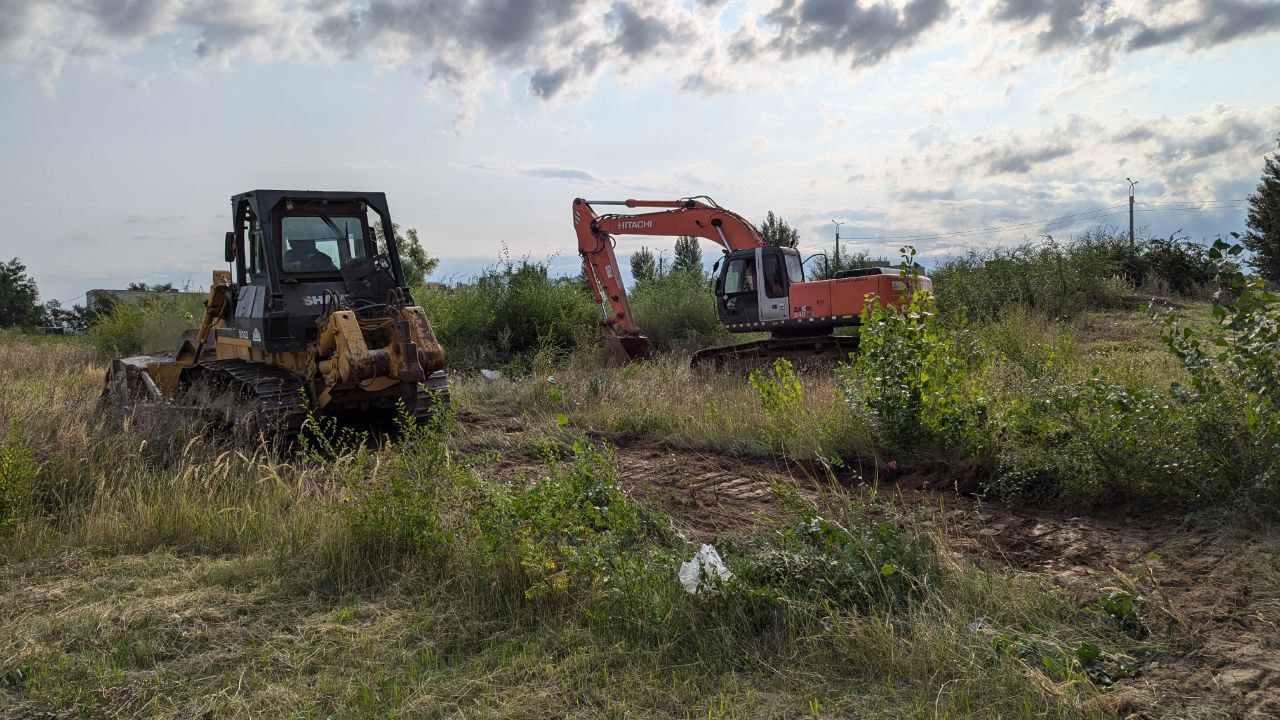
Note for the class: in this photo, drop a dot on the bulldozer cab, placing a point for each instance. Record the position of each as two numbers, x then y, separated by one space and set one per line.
298 254
753 286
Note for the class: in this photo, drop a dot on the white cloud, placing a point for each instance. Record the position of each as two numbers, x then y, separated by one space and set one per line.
559 47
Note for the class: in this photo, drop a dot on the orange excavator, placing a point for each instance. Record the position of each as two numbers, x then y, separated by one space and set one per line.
758 288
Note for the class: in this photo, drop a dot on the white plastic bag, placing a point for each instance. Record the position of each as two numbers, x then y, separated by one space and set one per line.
705 569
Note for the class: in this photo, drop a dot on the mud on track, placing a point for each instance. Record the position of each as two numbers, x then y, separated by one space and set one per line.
1219 589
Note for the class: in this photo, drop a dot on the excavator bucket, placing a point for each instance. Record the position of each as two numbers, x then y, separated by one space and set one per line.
620 350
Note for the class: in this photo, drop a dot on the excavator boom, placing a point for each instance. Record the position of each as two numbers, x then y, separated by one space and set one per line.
696 217
759 288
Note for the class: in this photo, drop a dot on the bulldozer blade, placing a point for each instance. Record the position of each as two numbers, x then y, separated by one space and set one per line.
622 350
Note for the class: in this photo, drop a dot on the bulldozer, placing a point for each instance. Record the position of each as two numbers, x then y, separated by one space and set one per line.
314 315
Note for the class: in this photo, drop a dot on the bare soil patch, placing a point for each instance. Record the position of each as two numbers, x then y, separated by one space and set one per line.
1216 589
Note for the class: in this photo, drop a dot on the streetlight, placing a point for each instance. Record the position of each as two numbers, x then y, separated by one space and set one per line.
838 223
1132 182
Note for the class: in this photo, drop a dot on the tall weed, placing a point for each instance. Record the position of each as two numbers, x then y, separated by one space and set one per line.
1056 279
152 324
678 312
781 398
17 480
504 316
918 378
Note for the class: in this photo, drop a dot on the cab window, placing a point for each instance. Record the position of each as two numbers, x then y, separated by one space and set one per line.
320 243
733 276
256 262
795 269
740 276
775 285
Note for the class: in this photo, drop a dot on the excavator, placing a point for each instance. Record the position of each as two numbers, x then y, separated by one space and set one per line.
314 316
759 288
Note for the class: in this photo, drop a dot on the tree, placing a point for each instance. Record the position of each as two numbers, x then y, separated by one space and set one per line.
826 266
688 256
644 266
18 296
77 319
414 260
1262 236
777 233
158 287
418 265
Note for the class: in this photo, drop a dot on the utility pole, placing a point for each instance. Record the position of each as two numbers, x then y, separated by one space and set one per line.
838 223
1132 182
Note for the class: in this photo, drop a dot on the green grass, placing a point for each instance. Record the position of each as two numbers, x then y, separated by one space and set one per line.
150 574
1088 410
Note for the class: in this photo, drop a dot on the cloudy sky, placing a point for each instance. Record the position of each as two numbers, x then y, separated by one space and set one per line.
126 125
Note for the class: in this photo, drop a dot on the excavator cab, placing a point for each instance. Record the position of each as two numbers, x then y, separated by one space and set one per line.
753 286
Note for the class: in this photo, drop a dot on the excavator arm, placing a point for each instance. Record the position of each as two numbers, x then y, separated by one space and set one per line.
697 217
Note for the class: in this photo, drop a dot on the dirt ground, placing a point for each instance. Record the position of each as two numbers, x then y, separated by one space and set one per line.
1217 589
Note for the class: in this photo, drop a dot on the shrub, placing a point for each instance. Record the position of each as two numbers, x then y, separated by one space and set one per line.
1105 438
1061 279
508 313
1212 441
916 377
678 312
851 562
563 532
1235 387
17 481
149 325
781 396
1049 277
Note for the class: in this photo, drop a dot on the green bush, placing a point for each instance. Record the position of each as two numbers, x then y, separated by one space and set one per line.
1212 441
852 562
781 396
678 312
1105 439
1049 277
1057 279
562 534
918 378
1235 385
150 325
509 313
18 474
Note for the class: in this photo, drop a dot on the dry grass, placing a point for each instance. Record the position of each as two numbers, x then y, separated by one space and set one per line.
157 574
666 401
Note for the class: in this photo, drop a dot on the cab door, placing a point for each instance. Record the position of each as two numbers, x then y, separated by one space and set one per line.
773 283
737 288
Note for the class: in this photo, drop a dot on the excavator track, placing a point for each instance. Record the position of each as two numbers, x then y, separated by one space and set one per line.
252 399
801 351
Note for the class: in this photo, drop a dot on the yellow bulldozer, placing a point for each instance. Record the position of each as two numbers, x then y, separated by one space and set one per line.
314 316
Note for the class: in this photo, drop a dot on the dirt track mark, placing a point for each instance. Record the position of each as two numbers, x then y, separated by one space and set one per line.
704 493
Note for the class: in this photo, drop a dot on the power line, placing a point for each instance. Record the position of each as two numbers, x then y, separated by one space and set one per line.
1193 209
1191 202
73 302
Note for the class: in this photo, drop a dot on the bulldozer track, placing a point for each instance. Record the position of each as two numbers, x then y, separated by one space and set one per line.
431 394
269 401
